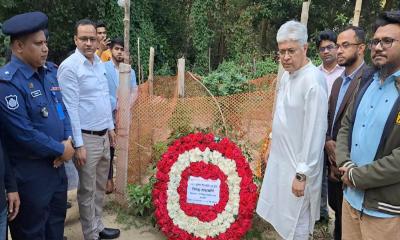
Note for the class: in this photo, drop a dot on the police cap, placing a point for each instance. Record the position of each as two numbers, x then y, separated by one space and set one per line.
26 23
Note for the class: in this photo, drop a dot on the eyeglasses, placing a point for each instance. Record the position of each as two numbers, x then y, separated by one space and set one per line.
385 42
347 45
329 48
87 39
290 52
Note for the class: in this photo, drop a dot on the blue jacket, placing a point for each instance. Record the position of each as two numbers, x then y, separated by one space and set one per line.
34 119
7 179
113 82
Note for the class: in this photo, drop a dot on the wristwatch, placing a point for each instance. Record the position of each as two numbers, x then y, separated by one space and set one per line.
300 177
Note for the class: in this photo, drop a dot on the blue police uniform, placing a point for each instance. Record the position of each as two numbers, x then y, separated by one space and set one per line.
34 122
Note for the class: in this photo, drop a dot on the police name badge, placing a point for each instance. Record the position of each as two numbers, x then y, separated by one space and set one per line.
12 102
36 93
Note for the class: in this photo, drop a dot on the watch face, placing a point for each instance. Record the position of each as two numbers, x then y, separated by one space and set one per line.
300 177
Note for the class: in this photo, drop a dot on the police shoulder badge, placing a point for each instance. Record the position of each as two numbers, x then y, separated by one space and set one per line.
12 102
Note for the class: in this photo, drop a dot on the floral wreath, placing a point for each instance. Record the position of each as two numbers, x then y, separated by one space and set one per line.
200 155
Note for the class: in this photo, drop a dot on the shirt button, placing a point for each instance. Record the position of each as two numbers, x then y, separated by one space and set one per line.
356 145
372 106
380 88
386 100
363 125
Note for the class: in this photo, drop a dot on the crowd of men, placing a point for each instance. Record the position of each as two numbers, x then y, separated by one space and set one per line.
335 134
334 138
50 115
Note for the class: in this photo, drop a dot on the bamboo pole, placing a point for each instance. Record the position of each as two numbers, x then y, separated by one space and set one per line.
123 115
304 12
151 71
209 60
127 24
357 13
181 77
138 61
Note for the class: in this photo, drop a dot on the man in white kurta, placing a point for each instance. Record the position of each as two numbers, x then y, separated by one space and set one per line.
291 190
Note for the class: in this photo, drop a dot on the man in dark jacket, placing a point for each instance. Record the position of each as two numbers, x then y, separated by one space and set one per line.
350 48
368 143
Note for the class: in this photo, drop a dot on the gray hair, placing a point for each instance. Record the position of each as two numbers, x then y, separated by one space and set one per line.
292 31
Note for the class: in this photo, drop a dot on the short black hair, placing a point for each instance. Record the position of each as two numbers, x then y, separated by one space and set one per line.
389 17
359 31
326 35
116 41
83 22
100 23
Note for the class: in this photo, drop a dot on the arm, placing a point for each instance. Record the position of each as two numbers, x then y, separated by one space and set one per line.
381 172
18 124
9 177
329 120
342 151
11 188
68 81
314 130
67 122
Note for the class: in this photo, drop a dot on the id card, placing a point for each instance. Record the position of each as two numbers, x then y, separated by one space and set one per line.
60 111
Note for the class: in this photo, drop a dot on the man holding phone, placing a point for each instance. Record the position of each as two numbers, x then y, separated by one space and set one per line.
103 51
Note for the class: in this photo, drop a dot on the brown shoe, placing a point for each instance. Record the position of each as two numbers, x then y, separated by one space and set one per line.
110 186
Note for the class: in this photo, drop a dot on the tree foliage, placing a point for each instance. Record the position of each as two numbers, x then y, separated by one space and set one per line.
237 30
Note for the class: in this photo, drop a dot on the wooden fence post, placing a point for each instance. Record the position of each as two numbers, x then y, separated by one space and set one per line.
181 77
151 71
123 115
139 73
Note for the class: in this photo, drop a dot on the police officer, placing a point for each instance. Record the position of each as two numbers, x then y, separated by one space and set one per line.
36 128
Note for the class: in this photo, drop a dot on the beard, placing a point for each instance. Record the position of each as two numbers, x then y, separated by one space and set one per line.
385 70
118 59
350 61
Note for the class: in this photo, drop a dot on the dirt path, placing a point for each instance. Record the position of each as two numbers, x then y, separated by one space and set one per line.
73 229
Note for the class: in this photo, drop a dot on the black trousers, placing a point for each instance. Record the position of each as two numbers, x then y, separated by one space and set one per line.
335 199
43 209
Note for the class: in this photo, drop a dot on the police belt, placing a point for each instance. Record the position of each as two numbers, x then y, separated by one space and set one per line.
98 133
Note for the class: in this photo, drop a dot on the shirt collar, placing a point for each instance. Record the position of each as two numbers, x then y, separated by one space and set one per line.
354 73
83 59
23 67
389 79
297 72
337 67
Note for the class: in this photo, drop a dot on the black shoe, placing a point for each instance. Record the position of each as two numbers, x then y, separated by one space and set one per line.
65 238
109 233
69 205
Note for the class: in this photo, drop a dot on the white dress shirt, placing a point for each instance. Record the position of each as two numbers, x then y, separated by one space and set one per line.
85 93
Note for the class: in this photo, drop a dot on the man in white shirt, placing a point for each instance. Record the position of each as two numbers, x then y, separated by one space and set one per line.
290 193
86 96
326 44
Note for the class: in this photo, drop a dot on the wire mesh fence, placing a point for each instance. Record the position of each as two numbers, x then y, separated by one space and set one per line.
155 116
